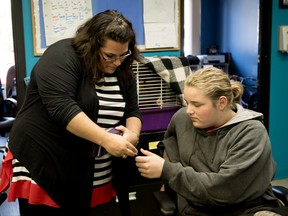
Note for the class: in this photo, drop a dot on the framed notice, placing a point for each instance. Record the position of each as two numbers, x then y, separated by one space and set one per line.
156 23
54 20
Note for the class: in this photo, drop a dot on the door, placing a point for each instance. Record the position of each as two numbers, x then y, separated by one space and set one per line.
264 57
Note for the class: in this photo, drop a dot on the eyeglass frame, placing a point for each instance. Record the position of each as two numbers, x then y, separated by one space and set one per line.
121 58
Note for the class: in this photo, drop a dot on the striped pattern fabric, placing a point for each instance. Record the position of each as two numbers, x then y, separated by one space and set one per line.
20 172
111 110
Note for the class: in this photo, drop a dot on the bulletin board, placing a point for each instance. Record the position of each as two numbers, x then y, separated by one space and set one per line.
156 23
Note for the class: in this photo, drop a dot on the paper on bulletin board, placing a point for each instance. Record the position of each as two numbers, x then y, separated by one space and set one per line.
62 18
160 11
160 23
160 35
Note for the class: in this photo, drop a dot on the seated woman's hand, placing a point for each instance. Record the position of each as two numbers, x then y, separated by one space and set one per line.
150 165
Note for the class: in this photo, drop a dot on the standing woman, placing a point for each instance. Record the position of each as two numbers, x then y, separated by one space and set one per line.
60 150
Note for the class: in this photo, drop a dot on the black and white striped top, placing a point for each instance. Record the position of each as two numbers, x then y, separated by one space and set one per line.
111 110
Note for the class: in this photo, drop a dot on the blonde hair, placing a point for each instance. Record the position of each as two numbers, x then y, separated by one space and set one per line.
215 83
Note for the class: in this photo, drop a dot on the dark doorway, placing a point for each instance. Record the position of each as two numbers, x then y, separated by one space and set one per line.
264 58
19 49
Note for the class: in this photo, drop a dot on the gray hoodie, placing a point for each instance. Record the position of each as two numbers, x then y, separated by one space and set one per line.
224 172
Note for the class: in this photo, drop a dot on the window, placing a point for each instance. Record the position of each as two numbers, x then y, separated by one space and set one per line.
6 41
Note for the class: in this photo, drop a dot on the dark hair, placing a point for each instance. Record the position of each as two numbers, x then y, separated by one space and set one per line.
92 35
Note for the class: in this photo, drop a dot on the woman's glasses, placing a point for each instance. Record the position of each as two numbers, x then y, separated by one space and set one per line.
113 59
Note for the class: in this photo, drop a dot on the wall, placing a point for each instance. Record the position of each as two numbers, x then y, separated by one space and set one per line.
28 37
238 26
223 21
222 28
209 24
278 98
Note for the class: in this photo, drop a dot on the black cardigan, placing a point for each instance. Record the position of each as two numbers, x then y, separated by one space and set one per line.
56 159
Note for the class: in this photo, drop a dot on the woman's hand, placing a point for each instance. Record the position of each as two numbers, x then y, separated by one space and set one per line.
130 135
118 146
150 165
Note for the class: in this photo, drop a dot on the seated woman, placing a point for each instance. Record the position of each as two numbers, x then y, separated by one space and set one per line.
220 160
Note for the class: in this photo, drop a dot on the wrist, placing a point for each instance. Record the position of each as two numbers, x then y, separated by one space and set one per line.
135 141
137 134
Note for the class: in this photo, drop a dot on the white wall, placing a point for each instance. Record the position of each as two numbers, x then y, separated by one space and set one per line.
6 40
192 27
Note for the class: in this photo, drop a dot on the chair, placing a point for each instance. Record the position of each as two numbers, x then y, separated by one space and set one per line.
8 109
249 99
281 193
166 201
11 83
3 197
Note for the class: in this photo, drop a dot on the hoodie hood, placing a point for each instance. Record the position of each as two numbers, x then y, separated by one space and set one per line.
243 114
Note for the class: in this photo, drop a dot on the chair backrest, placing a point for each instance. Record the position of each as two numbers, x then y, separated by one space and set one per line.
11 83
5 121
8 106
1 102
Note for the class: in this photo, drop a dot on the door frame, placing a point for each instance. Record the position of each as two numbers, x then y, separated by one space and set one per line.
264 58
19 49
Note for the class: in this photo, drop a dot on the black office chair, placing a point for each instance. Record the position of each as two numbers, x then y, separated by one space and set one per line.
8 109
11 83
3 197
281 193
166 201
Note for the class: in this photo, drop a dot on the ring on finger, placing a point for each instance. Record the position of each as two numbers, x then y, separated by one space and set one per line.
124 156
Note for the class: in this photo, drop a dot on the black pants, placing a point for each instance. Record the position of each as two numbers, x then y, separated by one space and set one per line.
121 169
